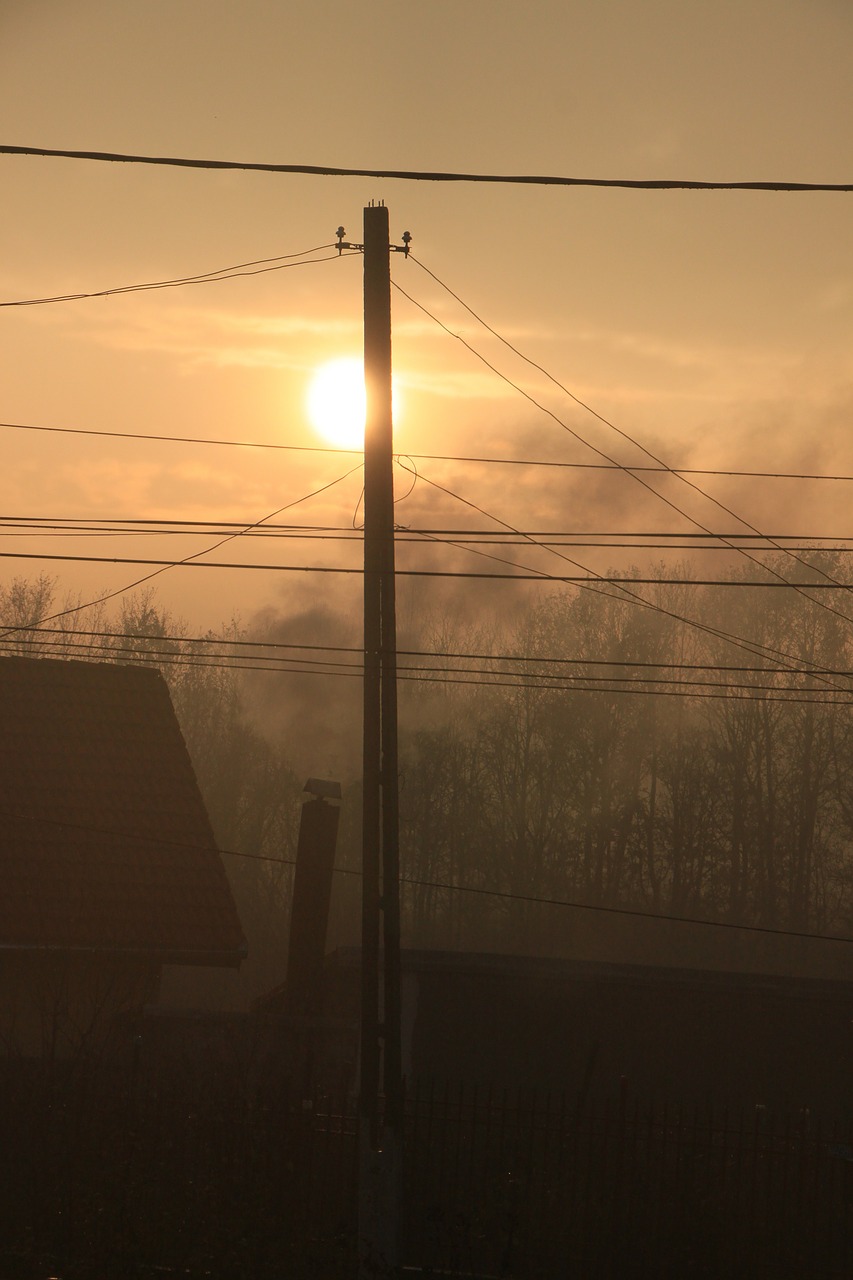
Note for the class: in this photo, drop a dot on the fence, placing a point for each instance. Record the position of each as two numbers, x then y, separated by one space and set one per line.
536 1187
109 1174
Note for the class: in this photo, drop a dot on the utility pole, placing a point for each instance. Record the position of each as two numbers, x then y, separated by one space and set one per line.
380 1130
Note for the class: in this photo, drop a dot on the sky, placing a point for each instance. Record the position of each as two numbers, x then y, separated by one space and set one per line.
713 327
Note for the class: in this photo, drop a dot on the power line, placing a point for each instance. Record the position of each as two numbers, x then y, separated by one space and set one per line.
37 628
630 911
598 533
209 653
206 277
75 531
434 884
618 430
432 457
750 646
191 562
162 567
600 452
488 681
755 647
579 906
489 537
60 633
421 175
141 435
449 654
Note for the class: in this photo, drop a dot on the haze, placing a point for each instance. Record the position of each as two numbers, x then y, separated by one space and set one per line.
713 327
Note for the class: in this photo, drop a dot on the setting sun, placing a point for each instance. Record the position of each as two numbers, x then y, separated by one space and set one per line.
336 402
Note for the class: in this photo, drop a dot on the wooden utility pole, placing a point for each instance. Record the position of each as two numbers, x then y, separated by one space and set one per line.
380 1128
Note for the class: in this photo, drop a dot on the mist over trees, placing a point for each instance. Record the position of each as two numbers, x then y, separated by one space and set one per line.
589 750
694 777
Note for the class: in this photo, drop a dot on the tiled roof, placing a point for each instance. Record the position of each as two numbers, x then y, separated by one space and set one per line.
104 838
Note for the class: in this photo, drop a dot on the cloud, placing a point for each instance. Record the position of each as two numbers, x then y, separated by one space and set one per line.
199 337
319 716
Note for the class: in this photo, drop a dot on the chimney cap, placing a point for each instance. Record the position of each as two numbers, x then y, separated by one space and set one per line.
324 788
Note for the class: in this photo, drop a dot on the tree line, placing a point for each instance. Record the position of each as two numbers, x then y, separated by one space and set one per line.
706 772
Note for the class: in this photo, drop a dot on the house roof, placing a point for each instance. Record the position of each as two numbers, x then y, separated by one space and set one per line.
105 843
600 973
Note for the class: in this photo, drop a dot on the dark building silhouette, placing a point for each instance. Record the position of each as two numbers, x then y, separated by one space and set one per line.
587 1029
108 864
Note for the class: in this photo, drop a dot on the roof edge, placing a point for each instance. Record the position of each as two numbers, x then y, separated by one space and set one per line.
230 958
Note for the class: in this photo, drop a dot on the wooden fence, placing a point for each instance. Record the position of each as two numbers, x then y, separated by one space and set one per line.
110 1174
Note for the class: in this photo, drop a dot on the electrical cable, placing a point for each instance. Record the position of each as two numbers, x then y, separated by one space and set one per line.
207 277
628 911
75 531
634 475
755 647
210 655
450 655
140 435
685 689
433 884
422 175
437 457
489 537
531 575
190 559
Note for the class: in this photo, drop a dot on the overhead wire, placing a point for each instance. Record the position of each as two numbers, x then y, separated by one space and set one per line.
227 272
446 886
481 178
208 654
147 435
163 567
626 436
73 526
751 646
626 911
281 263
633 475
489 678
432 457
189 559
755 647
638 478
527 574
815 698
412 538
60 633
424 175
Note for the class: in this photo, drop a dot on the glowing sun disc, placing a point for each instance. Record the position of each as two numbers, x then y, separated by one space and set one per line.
336 402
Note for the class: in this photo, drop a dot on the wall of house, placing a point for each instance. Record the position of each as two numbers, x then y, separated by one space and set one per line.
584 1030
61 1005
785 1046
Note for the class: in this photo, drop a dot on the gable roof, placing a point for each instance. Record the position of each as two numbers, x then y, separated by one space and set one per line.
105 843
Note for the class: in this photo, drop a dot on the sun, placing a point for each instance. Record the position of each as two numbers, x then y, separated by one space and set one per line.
336 402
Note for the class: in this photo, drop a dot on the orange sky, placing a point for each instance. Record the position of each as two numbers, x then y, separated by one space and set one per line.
715 327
